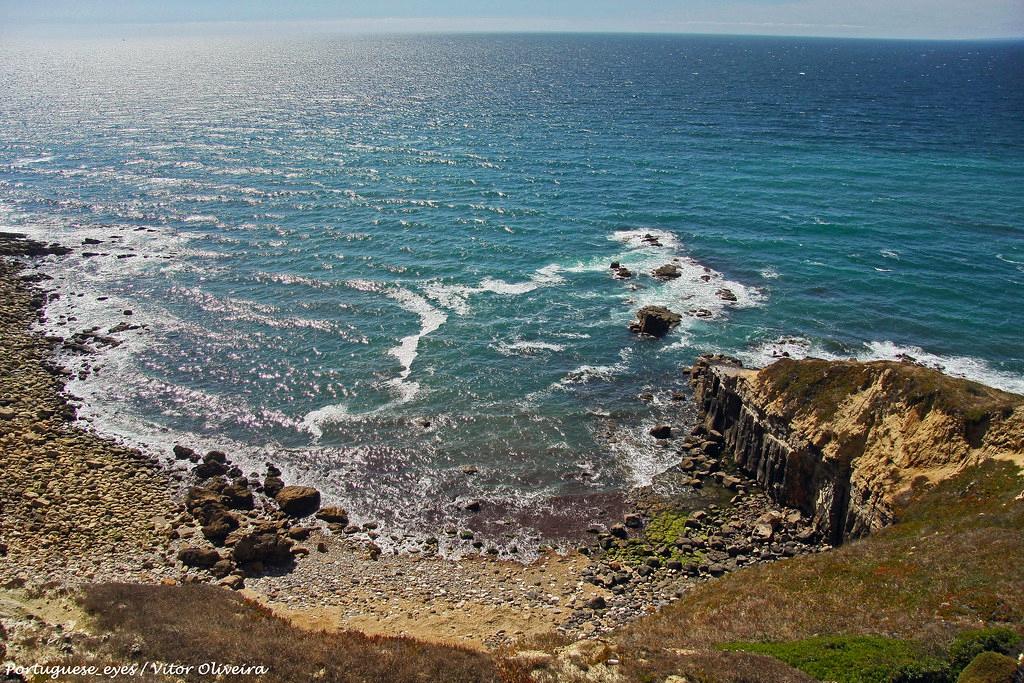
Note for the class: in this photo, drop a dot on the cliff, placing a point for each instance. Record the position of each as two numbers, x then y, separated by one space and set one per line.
847 442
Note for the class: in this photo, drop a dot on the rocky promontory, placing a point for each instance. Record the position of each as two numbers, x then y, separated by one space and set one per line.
847 442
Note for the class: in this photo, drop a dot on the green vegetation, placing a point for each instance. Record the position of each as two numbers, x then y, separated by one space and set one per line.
855 659
989 667
969 644
657 540
951 563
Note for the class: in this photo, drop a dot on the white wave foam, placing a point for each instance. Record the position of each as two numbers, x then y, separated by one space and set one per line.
699 291
698 287
453 297
200 218
788 347
587 373
644 239
314 421
408 347
456 297
958 366
29 161
526 348
502 287
967 367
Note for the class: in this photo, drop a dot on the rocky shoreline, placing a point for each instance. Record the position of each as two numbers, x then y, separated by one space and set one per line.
80 508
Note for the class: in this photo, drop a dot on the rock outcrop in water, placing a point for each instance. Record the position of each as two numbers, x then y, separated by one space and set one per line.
654 321
846 442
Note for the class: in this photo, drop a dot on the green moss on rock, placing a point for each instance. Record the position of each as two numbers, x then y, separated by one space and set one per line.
657 540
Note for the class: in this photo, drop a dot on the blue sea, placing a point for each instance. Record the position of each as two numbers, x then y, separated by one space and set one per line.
379 260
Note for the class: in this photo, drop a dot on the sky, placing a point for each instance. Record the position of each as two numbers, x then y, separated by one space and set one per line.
942 19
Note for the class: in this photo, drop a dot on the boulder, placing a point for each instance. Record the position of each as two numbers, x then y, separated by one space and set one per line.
234 582
272 485
183 452
219 526
263 546
633 520
661 432
209 468
655 321
333 515
726 295
763 532
298 501
596 602
669 271
237 495
216 456
208 509
199 557
222 568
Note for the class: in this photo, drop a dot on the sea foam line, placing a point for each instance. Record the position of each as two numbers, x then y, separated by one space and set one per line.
966 367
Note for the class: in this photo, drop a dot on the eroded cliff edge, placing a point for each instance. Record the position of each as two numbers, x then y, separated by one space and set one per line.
847 441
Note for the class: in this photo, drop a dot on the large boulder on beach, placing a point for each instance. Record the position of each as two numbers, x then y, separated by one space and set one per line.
333 515
654 321
238 495
207 507
298 501
214 464
183 452
199 557
263 546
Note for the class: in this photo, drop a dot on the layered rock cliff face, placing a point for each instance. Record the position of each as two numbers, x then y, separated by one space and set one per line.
847 442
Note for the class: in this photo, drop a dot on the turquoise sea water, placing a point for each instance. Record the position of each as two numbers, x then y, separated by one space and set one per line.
377 260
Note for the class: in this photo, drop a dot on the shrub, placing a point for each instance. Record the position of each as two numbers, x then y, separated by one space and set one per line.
970 644
989 667
855 659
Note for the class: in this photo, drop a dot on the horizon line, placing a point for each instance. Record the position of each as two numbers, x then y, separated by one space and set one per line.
432 26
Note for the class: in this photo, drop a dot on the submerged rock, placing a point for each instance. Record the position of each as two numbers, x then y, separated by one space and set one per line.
669 271
655 321
661 432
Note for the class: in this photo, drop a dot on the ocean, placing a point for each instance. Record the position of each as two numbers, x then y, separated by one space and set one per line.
381 260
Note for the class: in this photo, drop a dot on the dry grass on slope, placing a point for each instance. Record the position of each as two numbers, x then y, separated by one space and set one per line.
196 624
952 562
819 387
